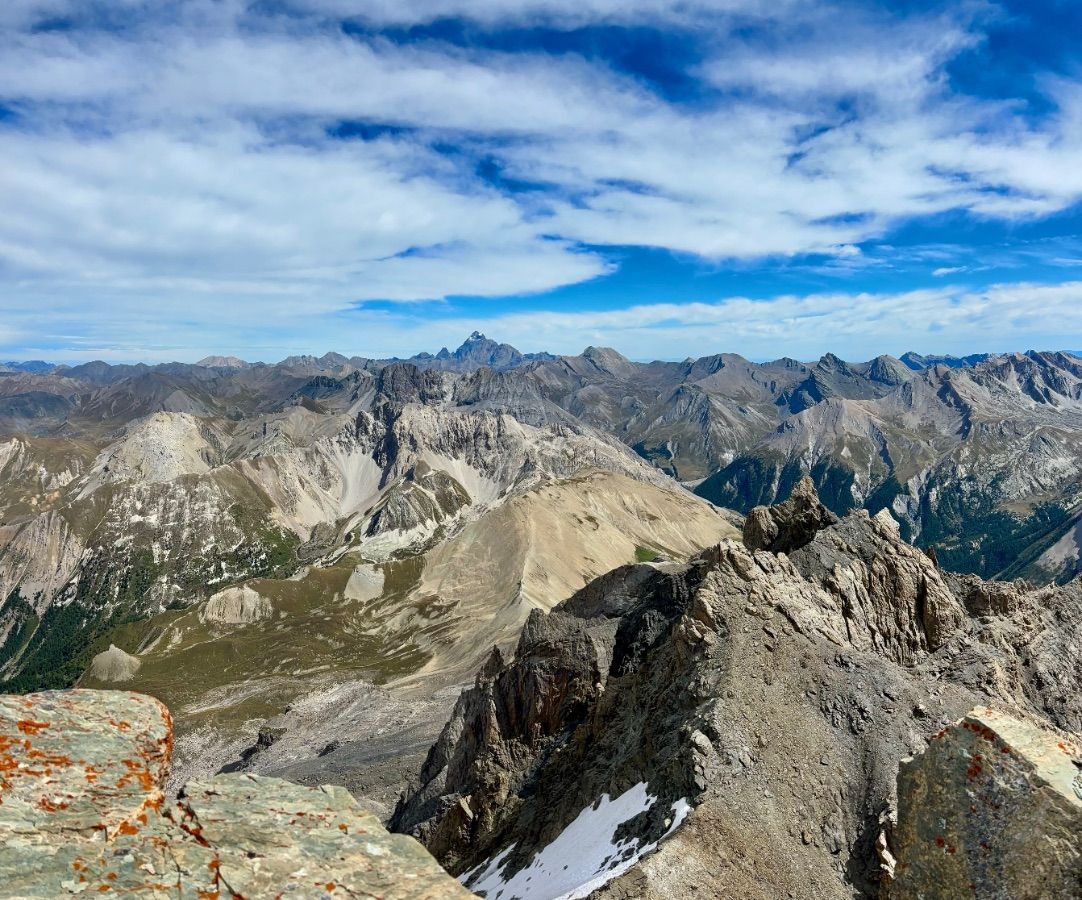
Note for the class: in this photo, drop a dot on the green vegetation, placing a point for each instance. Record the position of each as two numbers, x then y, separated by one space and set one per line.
23 624
750 481
272 550
835 486
111 594
61 648
659 456
645 554
971 534
966 526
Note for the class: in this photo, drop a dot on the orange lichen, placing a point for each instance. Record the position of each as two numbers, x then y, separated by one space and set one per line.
196 833
50 759
126 828
46 804
137 771
30 727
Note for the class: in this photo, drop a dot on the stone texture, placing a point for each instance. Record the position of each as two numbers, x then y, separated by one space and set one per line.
789 525
992 809
82 811
114 665
777 693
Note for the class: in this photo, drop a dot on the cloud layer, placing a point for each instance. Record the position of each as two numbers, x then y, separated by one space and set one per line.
296 160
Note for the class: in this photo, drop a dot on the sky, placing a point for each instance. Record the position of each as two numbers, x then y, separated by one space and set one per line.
379 177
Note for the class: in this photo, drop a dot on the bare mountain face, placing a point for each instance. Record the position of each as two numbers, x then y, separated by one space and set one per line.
245 539
733 727
978 457
308 560
983 462
240 539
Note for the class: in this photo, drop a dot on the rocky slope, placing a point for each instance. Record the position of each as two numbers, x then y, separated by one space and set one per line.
244 539
82 811
925 436
265 656
373 533
184 501
733 726
981 461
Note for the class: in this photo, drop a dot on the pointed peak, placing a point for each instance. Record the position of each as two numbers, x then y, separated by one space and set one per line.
831 359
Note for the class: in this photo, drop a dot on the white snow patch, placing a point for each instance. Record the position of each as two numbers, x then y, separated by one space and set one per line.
585 855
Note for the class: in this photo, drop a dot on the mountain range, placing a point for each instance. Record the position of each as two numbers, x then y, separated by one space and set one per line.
310 562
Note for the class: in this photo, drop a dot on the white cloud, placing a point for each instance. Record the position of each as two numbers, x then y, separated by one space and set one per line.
183 159
854 325
949 319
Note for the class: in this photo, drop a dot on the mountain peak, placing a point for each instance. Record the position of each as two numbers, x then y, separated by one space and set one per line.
222 362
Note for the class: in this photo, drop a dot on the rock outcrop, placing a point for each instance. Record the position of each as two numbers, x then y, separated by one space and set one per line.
82 810
236 606
732 727
114 665
993 808
789 525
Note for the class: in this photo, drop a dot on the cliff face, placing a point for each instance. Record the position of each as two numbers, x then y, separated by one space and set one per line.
732 727
82 809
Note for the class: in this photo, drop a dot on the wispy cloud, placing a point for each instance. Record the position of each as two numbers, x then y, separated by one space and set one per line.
192 156
948 319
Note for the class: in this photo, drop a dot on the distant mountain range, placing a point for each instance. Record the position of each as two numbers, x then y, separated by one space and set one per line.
477 351
254 542
976 454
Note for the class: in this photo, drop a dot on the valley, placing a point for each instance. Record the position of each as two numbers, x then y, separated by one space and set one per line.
310 562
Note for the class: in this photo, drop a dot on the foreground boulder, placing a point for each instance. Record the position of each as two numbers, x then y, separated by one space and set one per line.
993 808
82 810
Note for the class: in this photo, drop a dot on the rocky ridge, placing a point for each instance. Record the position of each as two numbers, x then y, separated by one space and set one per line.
694 716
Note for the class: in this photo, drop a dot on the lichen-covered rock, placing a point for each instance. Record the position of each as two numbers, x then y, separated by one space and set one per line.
789 525
992 809
82 810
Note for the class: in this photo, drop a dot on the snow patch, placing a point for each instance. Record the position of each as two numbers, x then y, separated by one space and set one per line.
585 856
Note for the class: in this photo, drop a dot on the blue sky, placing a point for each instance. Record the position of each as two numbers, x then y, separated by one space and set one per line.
671 179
